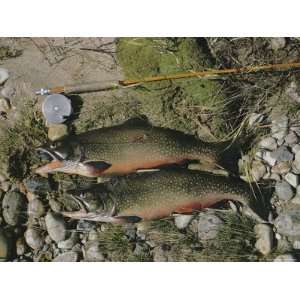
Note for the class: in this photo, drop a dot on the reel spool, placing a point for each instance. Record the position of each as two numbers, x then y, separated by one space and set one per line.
56 108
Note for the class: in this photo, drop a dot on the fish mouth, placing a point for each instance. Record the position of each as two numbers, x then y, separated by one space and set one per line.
57 163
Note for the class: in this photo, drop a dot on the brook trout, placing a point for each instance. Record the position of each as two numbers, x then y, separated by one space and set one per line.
149 196
126 148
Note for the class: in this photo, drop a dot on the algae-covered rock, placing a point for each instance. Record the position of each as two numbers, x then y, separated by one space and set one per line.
178 104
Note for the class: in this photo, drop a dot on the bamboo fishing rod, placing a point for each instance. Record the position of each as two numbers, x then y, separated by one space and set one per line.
109 85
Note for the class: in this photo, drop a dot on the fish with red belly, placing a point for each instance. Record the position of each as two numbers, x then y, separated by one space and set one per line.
156 195
126 148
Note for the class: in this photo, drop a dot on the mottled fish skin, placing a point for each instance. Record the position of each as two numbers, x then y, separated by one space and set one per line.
133 146
156 195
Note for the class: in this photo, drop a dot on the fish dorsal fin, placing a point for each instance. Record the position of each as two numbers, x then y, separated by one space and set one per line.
140 120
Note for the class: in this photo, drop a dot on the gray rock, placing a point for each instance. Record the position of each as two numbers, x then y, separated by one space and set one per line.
285 258
274 176
279 127
37 185
296 129
130 231
4 246
34 238
255 119
36 208
14 208
298 190
266 156
296 148
141 249
296 200
292 179
57 132
291 139
159 254
70 242
69 256
296 245
282 154
93 252
265 238
288 223
208 226
281 167
277 43
268 143
4 105
8 92
56 227
284 190
5 186
183 221
4 75
293 92
296 163
258 170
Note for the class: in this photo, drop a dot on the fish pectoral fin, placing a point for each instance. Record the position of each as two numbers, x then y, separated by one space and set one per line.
97 166
127 219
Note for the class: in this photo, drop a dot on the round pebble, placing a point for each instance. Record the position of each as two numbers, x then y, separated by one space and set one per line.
278 43
70 242
37 185
4 248
36 208
4 75
288 223
14 208
4 105
258 170
281 167
268 143
285 258
284 190
291 139
292 179
93 252
56 226
208 226
265 238
159 254
182 221
21 246
57 132
279 127
282 154
69 256
34 238
8 92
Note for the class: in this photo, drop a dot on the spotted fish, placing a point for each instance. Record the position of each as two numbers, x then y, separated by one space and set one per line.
156 195
126 148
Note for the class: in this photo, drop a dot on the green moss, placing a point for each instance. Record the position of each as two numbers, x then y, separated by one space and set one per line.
178 103
18 142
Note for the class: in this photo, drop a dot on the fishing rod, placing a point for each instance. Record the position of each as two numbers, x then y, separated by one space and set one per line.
110 85
57 108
